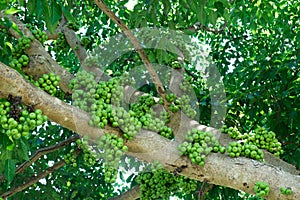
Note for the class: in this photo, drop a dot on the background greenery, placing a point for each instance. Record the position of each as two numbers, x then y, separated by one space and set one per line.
254 44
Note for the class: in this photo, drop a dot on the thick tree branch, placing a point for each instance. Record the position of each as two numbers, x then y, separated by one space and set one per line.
40 60
42 152
136 44
239 173
13 83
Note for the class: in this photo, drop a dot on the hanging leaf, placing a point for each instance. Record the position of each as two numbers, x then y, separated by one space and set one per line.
212 16
22 150
52 15
9 170
167 6
15 27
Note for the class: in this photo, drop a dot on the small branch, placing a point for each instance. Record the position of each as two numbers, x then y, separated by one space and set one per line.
74 43
215 31
34 179
42 152
132 194
202 191
137 46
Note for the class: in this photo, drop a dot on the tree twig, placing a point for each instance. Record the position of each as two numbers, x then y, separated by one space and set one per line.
42 152
136 44
34 179
74 43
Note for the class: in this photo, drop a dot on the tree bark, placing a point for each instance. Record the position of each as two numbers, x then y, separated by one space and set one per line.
238 173
40 60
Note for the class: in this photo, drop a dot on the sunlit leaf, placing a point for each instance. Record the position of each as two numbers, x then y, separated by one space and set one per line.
12 11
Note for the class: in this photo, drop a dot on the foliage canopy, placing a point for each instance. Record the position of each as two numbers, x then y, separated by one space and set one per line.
254 48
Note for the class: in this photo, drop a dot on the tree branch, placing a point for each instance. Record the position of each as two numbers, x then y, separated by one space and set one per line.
42 152
34 179
238 173
137 46
131 194
11 82
40 60
75 43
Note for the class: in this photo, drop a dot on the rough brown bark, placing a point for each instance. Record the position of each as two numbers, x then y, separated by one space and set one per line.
75 44
40 60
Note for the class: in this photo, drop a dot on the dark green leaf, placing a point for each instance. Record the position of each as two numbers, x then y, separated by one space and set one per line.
130 178
53 14
68 15
9 170
35 7
3 6
22 150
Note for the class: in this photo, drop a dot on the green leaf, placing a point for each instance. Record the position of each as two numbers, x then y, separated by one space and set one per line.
6 155
11 11
9 170
9 45
3 6
167 6
35 7
121 176
10 147
52 15
212 16
56 13
15 27
7 23
172 48
5 141
130 178
162 44
199 9
22 150
67 14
